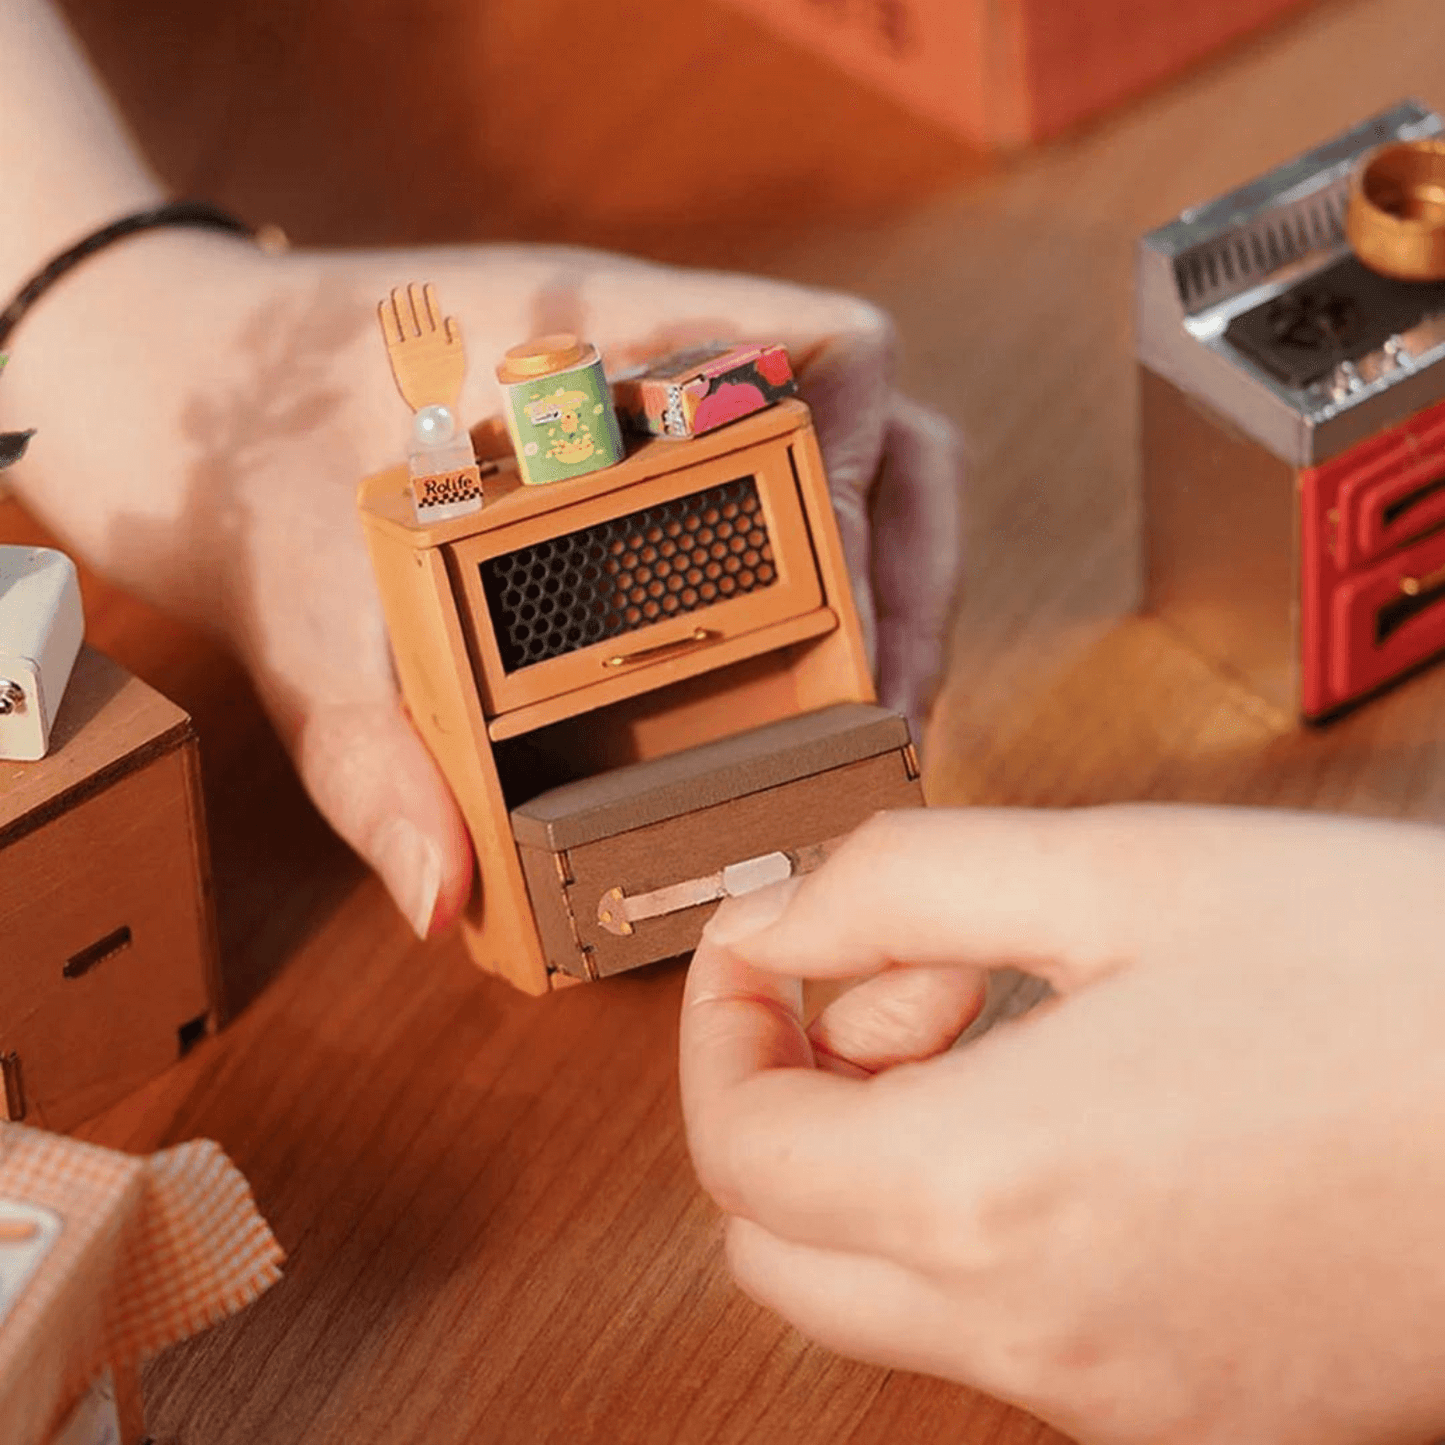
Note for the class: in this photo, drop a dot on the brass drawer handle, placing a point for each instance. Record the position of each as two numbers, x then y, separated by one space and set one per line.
1414 586
663 649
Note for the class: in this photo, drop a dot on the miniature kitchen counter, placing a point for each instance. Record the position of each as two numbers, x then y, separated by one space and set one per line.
493 1232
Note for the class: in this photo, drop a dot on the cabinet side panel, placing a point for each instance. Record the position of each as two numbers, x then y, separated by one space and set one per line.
834 668
436 682
107 945
1221 540
205 892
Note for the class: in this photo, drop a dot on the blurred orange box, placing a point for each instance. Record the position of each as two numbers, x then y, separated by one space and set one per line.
1002 73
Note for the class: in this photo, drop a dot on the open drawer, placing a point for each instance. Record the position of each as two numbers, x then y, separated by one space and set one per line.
679 564
624 868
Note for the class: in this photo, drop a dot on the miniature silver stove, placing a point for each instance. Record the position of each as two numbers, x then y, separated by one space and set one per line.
1292 414
1254 304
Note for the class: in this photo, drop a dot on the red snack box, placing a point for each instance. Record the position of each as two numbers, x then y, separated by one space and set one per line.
692 392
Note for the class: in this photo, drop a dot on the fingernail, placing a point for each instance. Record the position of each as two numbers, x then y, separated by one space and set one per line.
411 867
740 918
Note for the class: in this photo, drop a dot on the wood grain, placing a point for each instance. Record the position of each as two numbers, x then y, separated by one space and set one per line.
105 895
494 1232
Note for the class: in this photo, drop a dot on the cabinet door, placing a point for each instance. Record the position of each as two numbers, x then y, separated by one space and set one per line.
1386 620
1387 492
676 564
1396 509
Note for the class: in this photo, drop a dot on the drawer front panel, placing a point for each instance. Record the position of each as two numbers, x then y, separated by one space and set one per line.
1386 492
1385 621
563 601
1405 506
569 891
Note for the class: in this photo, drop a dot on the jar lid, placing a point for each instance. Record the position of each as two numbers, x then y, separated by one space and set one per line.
542 356
1396 218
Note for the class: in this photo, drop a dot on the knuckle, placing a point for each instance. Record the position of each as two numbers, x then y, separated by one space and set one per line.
880 837
869 328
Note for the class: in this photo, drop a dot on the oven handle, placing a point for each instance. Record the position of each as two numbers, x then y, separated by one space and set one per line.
663 649
1414 586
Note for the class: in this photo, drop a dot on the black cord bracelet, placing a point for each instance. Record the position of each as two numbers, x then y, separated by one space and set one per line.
173 213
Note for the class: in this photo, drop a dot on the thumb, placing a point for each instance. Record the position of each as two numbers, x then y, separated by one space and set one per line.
898 1016
375 783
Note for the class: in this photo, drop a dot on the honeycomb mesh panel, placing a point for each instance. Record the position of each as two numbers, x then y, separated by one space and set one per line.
583 587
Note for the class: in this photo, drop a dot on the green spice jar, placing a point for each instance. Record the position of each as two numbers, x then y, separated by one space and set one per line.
559 409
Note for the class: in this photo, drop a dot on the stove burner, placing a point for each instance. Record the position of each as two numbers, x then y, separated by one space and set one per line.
1311 319
1339 315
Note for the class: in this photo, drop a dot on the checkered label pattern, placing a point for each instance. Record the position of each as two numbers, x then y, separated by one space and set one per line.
447 490
569 592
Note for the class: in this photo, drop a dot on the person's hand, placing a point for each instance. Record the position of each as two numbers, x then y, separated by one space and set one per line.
1198 1199
205 414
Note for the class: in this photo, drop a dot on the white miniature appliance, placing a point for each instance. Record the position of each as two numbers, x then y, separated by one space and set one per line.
41 627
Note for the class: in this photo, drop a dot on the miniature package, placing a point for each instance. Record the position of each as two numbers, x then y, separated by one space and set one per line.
41 627
695 391
106 1259
559 409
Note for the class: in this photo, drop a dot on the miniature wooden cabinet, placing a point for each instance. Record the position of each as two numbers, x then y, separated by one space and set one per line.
693 592
106 926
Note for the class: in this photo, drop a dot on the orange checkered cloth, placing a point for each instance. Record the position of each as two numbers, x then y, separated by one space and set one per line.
113 1258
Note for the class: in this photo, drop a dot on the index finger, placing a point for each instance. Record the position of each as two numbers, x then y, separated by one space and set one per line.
1075 894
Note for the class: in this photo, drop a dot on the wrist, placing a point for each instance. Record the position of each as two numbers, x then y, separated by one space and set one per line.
114 368
68 163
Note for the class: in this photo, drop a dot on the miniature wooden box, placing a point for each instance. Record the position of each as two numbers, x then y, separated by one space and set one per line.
694 591
1002 73
106 925
626 867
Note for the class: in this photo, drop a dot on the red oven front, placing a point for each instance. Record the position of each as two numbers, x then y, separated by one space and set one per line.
1372 544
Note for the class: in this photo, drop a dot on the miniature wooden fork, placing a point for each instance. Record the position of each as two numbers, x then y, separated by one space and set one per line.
427 357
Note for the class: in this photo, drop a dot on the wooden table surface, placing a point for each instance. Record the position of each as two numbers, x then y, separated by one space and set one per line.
494 1233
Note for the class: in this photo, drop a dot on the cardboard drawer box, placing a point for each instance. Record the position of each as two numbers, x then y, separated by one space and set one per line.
106 926
625 868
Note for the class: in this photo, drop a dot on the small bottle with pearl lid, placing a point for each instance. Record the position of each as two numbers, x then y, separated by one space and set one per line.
443 466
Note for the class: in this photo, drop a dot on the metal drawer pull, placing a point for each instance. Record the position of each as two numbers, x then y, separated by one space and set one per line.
1414 586
13 1085
617 912
663 649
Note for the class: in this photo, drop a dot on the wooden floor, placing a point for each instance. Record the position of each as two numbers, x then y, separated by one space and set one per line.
493 1230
